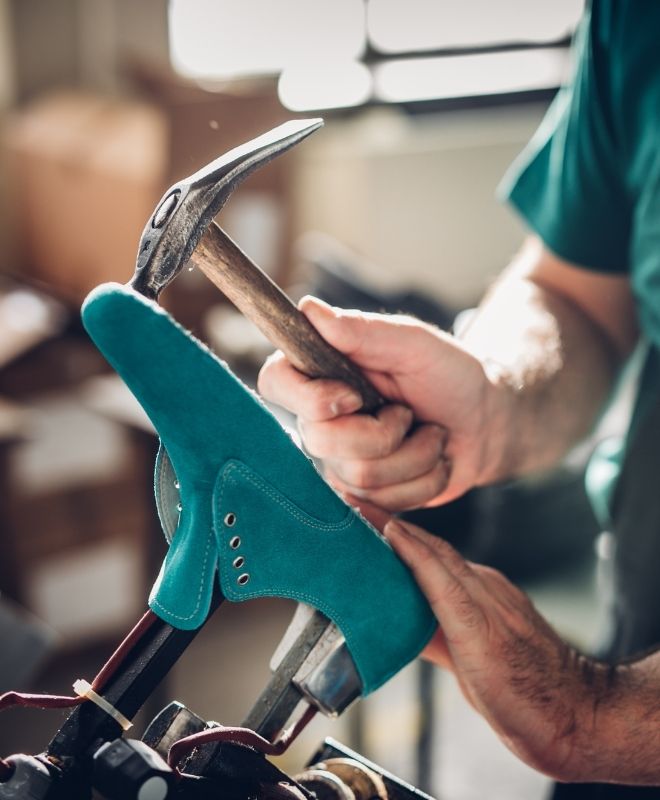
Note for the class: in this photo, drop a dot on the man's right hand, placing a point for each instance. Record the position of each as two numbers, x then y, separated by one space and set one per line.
436 439
524 383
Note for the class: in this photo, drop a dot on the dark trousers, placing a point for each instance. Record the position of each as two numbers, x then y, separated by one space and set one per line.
636 521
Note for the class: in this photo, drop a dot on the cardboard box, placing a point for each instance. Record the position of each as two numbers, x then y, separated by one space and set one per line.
203 124
86 173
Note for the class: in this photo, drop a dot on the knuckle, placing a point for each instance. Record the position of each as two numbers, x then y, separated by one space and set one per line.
264 378
325 400
335 481
273 360
277 382
386 499
426 558
388 441
318 407
462 606
391 425
454 560
362 474
435 480
310 438
434 440
461 568
469 614
489 573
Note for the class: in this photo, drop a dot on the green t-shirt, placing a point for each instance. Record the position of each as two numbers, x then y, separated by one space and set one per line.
588 183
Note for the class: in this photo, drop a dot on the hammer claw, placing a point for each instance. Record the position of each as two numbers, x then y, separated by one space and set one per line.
182 229
187 208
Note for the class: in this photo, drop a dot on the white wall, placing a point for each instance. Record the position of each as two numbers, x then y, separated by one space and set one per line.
416 195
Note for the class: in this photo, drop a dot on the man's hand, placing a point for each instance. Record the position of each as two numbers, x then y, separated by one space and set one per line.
563 714
511 666
430 379
522 385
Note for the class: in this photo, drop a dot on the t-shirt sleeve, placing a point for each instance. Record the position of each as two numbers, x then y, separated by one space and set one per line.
567 184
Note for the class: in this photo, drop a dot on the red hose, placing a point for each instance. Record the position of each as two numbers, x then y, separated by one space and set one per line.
183 747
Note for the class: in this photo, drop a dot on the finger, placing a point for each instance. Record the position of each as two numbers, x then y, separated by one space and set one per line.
448 554
403 496
514 606
357 435
379 342
418 454
437 651
458 451
377 516
314 399
458 612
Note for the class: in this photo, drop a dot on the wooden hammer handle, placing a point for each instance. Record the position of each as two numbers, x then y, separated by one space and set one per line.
272 311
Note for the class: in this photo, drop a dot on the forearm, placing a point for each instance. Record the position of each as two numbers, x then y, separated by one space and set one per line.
550 361
566 715
617 736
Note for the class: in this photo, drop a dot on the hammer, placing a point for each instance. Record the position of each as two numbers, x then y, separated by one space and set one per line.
182 230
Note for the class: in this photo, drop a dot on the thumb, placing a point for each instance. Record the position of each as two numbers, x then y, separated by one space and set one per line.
373 341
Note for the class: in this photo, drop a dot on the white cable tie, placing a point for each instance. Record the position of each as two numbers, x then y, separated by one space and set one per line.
84 689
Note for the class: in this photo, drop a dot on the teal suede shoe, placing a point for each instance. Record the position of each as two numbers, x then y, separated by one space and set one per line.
252 508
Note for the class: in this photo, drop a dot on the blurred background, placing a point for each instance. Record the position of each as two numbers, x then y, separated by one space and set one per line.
391 206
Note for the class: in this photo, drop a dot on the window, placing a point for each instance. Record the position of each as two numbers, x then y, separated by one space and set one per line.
346 53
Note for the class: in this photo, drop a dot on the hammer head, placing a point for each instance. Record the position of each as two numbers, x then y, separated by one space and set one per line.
188 207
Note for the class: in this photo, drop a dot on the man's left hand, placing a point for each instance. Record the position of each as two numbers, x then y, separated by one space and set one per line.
537 693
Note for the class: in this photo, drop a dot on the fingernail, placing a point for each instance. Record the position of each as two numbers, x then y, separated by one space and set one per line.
346 404
395 528
404 413
315 305
312 299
